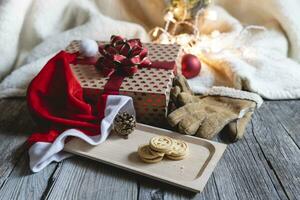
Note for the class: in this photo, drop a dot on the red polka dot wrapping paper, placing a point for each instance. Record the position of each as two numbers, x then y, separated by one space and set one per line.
149 87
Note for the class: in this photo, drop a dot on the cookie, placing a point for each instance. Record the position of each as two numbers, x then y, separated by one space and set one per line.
179 148
156 160
175 157
143 152
172 157
156 152
161 144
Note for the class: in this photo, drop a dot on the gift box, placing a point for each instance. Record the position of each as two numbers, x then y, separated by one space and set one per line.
149 86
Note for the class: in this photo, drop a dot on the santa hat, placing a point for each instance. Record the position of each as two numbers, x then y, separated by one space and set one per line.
55 100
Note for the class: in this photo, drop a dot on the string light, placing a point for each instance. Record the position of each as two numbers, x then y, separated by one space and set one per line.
197 43
215 34
211 15
177 16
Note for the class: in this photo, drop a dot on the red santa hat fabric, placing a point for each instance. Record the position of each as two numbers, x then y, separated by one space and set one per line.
55 100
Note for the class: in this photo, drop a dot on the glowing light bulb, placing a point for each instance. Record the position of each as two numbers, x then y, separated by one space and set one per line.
155 32
215 34
211 15
169 16
164 39
183 39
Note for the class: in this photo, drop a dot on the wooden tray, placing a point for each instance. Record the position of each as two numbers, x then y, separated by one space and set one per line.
192 173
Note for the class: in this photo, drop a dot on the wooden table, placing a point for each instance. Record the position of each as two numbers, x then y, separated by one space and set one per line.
263 165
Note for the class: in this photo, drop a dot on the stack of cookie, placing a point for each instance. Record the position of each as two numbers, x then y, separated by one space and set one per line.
161 146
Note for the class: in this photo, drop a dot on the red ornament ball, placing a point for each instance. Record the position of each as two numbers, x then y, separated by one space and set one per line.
190 66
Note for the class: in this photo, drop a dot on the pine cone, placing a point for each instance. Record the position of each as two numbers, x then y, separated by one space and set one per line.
124 124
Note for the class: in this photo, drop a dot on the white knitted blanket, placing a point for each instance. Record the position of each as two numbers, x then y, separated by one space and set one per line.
265 62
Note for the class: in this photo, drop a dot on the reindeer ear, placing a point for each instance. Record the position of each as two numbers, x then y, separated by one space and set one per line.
88 48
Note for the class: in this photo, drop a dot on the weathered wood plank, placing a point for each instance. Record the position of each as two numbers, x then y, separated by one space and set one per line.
14 129
243 173
16 180
80 178
264 165
288 115
154 190
279 149
23 184
238 176
150 189
249 173
210 192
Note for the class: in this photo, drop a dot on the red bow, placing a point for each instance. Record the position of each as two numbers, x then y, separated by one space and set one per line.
122 56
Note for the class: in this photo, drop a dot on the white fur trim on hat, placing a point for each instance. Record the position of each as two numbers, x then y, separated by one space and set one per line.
88 48
42 154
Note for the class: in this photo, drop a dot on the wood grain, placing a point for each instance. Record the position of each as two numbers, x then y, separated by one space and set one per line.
190 173
242 173
12 136
157 191
263 165
287 114
279 150
80 178
23 184
237 176
17 182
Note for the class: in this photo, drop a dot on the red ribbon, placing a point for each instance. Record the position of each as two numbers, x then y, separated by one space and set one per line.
115 80
122 58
